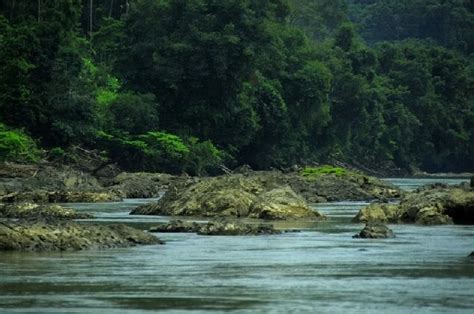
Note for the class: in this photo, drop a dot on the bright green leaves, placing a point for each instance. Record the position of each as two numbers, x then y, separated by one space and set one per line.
16 146
161 151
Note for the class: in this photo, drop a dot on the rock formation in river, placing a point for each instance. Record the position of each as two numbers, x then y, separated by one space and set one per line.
50 184
262 197
431 205
339 185
375 230
32 210
223 227
61 236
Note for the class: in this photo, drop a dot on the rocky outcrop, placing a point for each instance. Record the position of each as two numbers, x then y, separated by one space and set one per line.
432 205
31 211
44 177
41 196
236 228
216 228
61 236
232 196
176 226
348 186
48 184
142 184
375 230
340 186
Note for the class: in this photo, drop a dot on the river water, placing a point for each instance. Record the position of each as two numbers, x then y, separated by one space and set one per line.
321 269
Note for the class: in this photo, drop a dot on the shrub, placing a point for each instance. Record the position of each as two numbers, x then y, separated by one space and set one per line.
314 172
161 152
16 146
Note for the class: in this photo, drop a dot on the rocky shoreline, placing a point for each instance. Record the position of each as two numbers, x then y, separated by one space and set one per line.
48 183
31 222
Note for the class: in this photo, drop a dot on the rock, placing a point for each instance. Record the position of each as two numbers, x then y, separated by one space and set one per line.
46 183
378 212
216 228
431 205
48 177
323 187
471 255
375 230
31 210
280 204
41 196
235 228
341 186
176 226
61 236
231 196
142 184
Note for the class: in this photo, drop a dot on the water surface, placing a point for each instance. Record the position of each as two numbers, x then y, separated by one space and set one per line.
321 269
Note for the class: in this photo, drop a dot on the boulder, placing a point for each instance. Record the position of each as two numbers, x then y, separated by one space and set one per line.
223 227
375 230
378 212
471 255
61 236
431 205
280 204
232 196
32 210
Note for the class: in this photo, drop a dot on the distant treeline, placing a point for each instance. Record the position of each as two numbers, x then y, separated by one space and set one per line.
188 85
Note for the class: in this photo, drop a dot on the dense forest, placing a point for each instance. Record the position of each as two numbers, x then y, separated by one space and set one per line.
189 85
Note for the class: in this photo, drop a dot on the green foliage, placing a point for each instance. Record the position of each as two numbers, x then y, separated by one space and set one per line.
133 113
16 146
271 83
449 23
57 152
161 151
312 173
203 157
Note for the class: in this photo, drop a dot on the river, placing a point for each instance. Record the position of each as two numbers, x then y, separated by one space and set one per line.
321 269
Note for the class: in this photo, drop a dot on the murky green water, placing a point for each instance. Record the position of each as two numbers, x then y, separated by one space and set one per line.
321 269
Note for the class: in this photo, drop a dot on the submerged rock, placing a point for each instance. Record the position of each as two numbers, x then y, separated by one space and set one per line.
232 196
432 205
216 228
375 230
176 226
31 211
61 236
